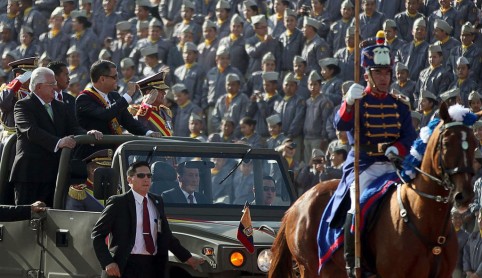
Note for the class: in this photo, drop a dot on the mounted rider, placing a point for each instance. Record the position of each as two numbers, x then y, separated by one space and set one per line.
385 129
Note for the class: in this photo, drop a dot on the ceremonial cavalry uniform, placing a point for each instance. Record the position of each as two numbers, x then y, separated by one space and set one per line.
81 196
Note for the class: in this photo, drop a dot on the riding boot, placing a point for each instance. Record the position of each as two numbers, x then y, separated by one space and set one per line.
349 247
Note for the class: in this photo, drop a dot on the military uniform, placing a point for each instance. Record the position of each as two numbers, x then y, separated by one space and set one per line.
276 26
336 36
291 45
237 52
192 76
163 47
414 56
450 16
405 25
313 51
390 8
54 44
24 51
435 80
332 89
292 111
193 25
256 49
233 107
407 89
369 26
87 42
122 88
466 87
215 85
33 19
473 53
181 118
395 45
255 141
447 48
262 109
83 73
466 12
347 64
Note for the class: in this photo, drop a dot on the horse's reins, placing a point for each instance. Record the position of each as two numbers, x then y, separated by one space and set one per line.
448 185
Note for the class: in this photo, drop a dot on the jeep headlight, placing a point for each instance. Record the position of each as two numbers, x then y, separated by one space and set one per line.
264 260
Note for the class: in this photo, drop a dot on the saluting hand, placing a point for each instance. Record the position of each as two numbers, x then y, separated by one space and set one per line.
112 269
132 87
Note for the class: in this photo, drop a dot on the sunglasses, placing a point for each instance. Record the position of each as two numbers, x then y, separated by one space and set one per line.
143 175
268 188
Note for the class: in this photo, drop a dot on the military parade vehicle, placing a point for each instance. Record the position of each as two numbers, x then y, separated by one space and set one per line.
58 244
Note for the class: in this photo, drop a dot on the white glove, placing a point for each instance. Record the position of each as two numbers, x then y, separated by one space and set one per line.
355 92
24 77
150 97
391 149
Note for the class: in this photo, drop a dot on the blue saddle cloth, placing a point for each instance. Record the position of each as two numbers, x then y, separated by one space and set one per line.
330 238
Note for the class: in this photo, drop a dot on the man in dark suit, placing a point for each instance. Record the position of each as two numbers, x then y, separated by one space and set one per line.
137 250
43 127
188 185
103 109
62 77
19 213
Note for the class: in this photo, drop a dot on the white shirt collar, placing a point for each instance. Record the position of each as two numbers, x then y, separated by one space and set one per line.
138 197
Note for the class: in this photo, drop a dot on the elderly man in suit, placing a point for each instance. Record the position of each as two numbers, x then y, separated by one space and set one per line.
188 185
135 249
43 126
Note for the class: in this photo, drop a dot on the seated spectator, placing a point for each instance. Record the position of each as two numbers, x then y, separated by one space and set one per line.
462 237
428 106
187 192
250 137
196 127
275 130
226 134
288 151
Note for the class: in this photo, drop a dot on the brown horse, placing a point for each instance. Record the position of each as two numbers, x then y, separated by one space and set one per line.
421 244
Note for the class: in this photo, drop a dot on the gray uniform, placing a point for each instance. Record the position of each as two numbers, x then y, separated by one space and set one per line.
125 8
292 113
395 45
262 109
314 128
237 52
414 57
215 85
290 47
56 47
313 51
7 46
25 52
235 110
466 11
336 36
407 90
223 29
332 89
174 59
181 118
148 71
447 48
106 27
369 26
243 188
204 7
254 141
274 142
120 50
193 79
35 20
450 17
405 25
473 54
256 49
122 89
89 44
390 8
276 26
207 55
196 31
466 86
472 260
332 10
171 10
435 80
163 47
220 137
347 64
83 73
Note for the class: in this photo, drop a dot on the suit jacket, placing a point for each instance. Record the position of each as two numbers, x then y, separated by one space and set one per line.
15 213
176 195
37 137
119 220
69 101
93 115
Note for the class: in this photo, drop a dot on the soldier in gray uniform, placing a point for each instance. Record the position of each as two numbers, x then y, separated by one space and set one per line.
142 13
215 84
30 16
28 46
445 12
191 74
6 39
450 97
206 8
464 82
125 8
442 38
391 36
301 74
8 18
74 57
436 78
255 80
414 54
233 104
405 19
81 196
151 58
428 106
262 102
175 58
223 10
185 108
187 13
318 109
55 42
67 7
249 135
336 36
275 131
226 134
170 12
84 38
124 44
291 41
292 110
391 8
128 70
469 50
331 85
235 43
466 12
207 49
250 9
260 44
196 128
276 24
371 21
315 48
346 56
403 84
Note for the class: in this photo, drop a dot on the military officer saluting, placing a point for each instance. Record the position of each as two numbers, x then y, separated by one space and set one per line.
152 113
81 196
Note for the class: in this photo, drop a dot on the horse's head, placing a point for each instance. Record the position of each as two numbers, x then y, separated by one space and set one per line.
453 156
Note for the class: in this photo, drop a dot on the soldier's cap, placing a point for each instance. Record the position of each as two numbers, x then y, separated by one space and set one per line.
236 19
74 79
155 23
376 56
442 25
477 124
347 4
179 88
462 61
222 51
416 115
328 61
155 81
105 54
290 77
268 57
478 153
341 147
317 153
188 4
25 64
123 26
346 85
400 66
59 11
298 60
142 24
258 19
467 29
450 94
127 63
73 49
273 120
85 2
474 95
209 24
250 3
309 21
187 29
419 22
102 158
78 13
149 50
143 3
290 12
314 76
428 94
288 142
44 57
189 46
11 53
26 29
223 5
195 117
389 23
350 31
270 76
434 48
232 77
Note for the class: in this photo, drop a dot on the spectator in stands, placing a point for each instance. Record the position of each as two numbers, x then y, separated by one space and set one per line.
84 39
55 42
249 135
74 58
309 175
406 19
185 108
464 81
462 237
435 78
275 131
255 82
28 46
336 36
235 42
300 73
331 85
442 31
191 73
128 70
208 48
152 63
315 47
196 127
227 132
416 118
450 97
188 10
223 10
428 106
371 21
291 41
403 84
475 103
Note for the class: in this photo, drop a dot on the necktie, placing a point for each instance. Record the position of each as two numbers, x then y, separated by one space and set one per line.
59 97
49 110
146 228
191 199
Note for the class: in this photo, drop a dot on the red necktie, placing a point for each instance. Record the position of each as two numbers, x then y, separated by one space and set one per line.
146 228
59 96
191 198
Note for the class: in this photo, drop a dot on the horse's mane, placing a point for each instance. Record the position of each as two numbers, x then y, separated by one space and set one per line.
457 113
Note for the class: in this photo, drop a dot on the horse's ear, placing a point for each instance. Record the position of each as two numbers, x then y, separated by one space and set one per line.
444 113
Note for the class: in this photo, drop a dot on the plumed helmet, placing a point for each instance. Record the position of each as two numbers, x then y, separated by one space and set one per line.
376 56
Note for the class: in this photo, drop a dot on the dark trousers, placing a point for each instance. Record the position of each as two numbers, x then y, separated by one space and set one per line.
140 266
27 193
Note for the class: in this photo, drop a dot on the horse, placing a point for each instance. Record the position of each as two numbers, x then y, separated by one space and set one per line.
413 231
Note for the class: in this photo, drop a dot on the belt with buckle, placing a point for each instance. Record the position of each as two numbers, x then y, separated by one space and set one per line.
375 149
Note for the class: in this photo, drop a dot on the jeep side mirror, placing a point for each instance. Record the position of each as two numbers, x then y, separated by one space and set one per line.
105 183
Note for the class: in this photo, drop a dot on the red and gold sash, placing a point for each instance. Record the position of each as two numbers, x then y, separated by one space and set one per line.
114 123
153 117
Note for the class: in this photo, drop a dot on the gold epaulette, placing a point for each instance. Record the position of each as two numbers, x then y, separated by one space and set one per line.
77 192
401 97
133 109
3 86
166 109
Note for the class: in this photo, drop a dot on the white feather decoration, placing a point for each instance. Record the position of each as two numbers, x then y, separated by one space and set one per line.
415 154
425 133
457 112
